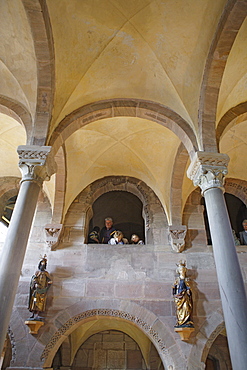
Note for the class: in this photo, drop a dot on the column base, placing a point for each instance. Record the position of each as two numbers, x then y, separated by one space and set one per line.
34 326
184 332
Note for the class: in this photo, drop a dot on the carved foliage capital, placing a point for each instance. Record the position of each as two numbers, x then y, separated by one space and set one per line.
208 170
36 162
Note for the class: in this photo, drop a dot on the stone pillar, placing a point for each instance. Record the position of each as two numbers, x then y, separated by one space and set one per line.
36 164
208 170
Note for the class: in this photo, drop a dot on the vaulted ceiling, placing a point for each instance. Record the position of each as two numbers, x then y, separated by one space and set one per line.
175 72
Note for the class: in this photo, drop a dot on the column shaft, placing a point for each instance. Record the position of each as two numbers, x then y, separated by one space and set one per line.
230 279
14 251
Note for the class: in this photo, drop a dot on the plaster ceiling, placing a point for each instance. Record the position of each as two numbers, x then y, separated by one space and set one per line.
233 89
234 143
122 49
121 146
108 49
18 71
12 134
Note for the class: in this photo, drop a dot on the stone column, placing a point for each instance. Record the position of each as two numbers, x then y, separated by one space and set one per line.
36 164
207 170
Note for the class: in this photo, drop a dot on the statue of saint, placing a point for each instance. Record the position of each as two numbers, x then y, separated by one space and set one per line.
182 297
40 283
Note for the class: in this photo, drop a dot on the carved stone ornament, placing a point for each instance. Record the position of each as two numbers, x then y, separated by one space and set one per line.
52 234
177 237
36 162
208 170
184 333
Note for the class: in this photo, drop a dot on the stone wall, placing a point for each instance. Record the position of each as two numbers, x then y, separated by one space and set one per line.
109 349
126 284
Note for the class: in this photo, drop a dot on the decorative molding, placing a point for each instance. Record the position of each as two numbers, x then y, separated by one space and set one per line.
13 346
208 170
238 188
104 312
177 237
52 234
218 330
36 162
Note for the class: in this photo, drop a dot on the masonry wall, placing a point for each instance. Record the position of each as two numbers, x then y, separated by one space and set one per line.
86 277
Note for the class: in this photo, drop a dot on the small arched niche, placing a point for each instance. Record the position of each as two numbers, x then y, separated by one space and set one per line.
80 215
125 209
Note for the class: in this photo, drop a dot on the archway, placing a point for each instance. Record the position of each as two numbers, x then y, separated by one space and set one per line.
81 321
6 355
218 355
111 349
124 107
237 213
80 211
126 210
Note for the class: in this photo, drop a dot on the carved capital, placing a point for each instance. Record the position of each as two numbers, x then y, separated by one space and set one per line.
177 237
52 234
208 170
36 162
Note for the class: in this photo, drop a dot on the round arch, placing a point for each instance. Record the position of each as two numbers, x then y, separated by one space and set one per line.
124 107
239 113
9 187
18 112
238 188
231 20
208 332
123 312
153 213
38 17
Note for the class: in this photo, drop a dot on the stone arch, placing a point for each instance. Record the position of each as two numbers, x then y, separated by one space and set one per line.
193 218
208 332
8 354
124 107
19 332
60 186
153 213
177 184
239 113
238 188
17 111
230 22
9 187
38 17
148 323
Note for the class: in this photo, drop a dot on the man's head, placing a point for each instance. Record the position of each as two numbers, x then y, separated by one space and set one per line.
108 222
244 223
